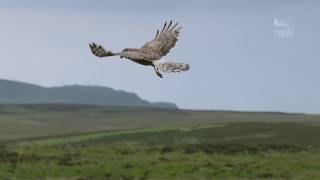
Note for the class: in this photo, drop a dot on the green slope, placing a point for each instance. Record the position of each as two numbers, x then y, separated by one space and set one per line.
65 141
24 121
230 150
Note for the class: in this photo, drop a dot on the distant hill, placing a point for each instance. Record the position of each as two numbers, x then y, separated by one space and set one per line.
13 92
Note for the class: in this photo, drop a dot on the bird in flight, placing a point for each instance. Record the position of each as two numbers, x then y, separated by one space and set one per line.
150 54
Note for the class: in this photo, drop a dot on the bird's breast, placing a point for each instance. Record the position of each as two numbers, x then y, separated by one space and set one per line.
142 62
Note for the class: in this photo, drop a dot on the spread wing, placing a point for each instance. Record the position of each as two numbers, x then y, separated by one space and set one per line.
100 51
164 40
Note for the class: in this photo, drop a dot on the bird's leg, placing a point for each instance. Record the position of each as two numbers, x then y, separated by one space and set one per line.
157 72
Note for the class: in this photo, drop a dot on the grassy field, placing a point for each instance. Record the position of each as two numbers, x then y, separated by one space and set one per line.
27 121
93 142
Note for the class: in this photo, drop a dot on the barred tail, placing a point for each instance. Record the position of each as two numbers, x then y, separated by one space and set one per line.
168 67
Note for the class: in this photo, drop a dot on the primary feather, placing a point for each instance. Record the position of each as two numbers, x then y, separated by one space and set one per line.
163 42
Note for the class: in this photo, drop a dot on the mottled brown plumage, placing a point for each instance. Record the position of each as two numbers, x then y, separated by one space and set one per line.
151 52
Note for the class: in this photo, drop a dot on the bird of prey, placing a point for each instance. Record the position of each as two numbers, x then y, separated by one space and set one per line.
150 54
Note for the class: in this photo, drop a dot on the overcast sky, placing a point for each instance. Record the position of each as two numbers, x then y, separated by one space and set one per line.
240 60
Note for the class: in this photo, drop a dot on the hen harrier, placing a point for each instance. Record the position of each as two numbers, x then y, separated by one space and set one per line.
150 54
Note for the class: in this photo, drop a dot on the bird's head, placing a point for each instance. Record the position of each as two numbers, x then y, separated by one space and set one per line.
128 51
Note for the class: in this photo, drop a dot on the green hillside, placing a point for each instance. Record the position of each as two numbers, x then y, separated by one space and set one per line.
24 121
